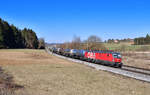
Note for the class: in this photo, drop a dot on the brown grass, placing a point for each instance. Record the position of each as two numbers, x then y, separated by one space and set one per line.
44 74
8 86
141 60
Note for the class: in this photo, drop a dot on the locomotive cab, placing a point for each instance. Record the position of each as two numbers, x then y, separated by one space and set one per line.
117 58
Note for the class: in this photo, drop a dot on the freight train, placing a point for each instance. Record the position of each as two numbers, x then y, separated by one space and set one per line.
108 58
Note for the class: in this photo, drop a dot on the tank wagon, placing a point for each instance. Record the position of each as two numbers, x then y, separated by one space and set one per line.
73 53
66 52
109 58
76 53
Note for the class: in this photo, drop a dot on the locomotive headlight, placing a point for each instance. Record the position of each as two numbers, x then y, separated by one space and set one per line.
119 56
113 60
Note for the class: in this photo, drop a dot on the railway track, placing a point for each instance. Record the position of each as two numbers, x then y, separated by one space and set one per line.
128 71
136 69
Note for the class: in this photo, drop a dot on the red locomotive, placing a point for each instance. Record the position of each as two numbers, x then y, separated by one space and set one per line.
104 57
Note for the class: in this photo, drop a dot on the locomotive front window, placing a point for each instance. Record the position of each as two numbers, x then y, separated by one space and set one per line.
117 55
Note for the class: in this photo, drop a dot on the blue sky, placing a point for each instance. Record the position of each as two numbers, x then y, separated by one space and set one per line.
60 20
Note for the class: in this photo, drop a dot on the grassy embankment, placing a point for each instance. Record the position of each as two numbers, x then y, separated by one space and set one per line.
126 47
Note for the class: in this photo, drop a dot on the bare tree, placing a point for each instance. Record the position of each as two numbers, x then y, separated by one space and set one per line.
41 43
76 43
76 39
94 43
94 39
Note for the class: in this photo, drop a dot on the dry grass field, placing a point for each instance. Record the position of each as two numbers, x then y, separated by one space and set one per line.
43 74
141 60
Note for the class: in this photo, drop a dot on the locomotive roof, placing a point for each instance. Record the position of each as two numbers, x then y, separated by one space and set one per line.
96 51
111 52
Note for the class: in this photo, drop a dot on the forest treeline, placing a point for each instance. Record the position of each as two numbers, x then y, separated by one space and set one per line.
142 40
13 37
136 41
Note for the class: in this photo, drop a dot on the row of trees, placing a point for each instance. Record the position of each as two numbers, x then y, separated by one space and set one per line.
110 41
93 42
12 37
142 40
118 40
